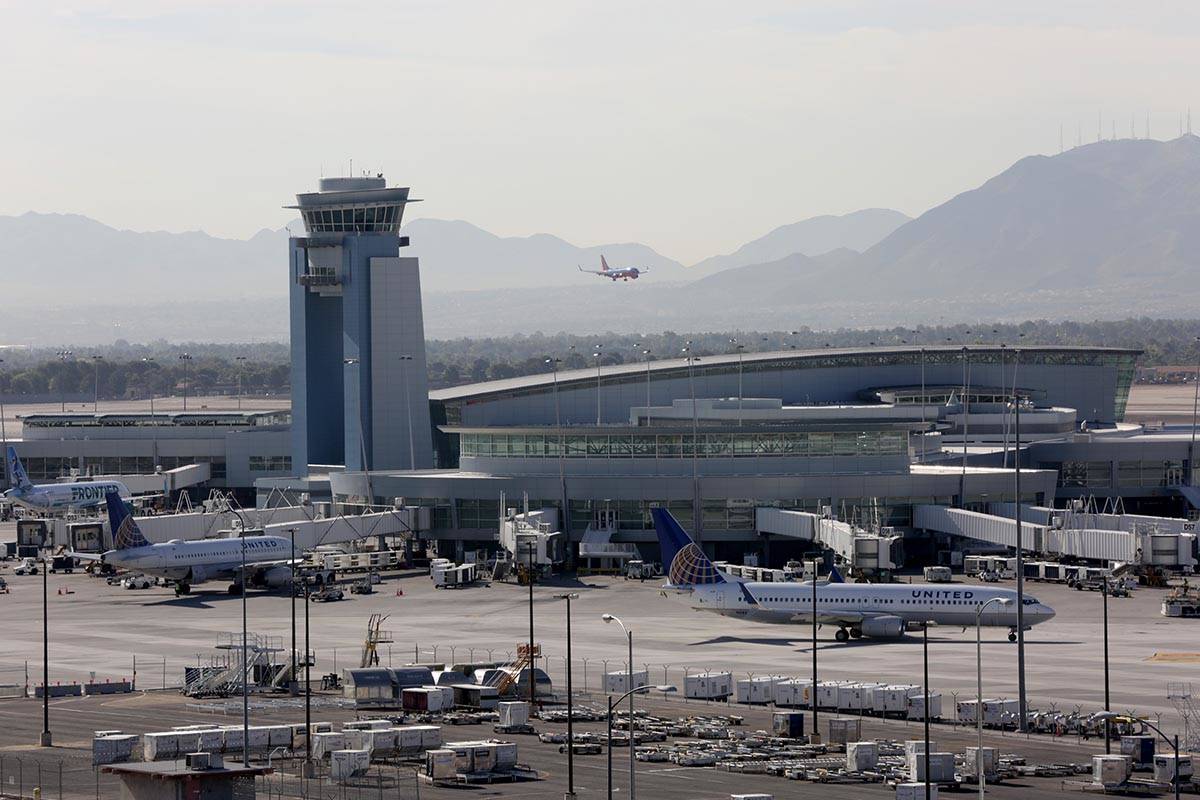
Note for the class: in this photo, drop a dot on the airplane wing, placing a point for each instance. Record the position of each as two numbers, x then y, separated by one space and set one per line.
589 271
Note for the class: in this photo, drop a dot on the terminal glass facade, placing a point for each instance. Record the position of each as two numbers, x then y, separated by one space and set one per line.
681 445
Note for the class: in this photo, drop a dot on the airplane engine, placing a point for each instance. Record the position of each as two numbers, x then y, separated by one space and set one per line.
883 627
275 577
197 575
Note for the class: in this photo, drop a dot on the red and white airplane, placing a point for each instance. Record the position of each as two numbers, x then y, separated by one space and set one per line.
623 274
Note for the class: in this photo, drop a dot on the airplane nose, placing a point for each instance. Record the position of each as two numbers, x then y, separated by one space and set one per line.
1047 613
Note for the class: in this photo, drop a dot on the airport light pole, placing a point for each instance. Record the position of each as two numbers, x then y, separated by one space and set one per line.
292 590
629 636
405 363
532 651
596 355
4 436
186 359
697 521
815 736
570 795
245 650
1195 408
96 383
46 739
1023 723
612 704
1004 601
308 767
150 361
925 711
241 365
1107 698
740 348
63 356
647 354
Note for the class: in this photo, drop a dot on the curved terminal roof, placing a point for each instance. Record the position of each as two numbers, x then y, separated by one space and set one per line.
783 359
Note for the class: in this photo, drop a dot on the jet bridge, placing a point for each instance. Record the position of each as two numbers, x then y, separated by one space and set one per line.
861 549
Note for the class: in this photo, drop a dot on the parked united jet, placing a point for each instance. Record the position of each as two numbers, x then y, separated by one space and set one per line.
874 610
622 274
56 496
268 558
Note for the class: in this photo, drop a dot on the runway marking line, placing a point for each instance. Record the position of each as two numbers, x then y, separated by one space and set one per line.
1175 658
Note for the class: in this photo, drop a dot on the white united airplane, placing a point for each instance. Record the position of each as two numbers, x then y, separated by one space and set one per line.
874 610
268 558
56 496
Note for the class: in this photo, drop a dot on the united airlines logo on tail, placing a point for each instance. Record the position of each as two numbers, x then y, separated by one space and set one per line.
129 535
691 567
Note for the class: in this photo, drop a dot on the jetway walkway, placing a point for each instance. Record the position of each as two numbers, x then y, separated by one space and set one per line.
1115 537
861 549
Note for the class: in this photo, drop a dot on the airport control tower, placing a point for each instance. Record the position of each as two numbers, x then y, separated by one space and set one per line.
359 391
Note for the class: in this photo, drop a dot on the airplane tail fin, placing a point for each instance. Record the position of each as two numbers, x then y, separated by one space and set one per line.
684 560
835 576
125 531
16 471
603 264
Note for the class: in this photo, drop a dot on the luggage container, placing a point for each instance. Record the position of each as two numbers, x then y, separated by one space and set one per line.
1000 713
346 764
431 735
915 791
861 756
938 575
157 746
384 741
708 686
792 693
408 739
513 714
842 730
277 736
213 741
187 742
325 743
757 690
856 697
484 757
916 705
1165 770
233 739
990 762
941 768
358 739
789 724
506 755
891 699
1110 772
367 725
618 682
474 695
113 749
965 711
424 699
260 737
1140 749
915 747
440 764
464 757
827 694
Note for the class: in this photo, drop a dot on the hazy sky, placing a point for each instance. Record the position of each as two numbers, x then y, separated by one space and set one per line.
690 126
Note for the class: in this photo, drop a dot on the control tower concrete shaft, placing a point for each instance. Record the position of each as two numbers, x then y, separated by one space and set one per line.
359 382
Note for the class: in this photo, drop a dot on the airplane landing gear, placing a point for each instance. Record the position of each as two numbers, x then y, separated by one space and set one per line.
235 589
842 635
856 633
1012 636
182 588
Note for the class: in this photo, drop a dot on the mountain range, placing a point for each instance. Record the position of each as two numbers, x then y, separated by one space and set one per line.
1112 227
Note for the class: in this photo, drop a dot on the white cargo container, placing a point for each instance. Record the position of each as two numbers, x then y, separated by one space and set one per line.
157 746
915 791
916 705
260 737
428 736
279 735
861 756
998 713
113 749
367 725
383 741
941 768
408 740
792 693
990 762
913 747
325 743
187 741
843 731
344 764
233 739
439 764
966 711
1165 770
618 682
759 689
213 741
513 714
708 686
892 699
484 757
938 574
358 739
1110 771
506 755
856 696
424 698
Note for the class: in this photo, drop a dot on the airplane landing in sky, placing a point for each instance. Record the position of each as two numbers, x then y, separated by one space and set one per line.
622 274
